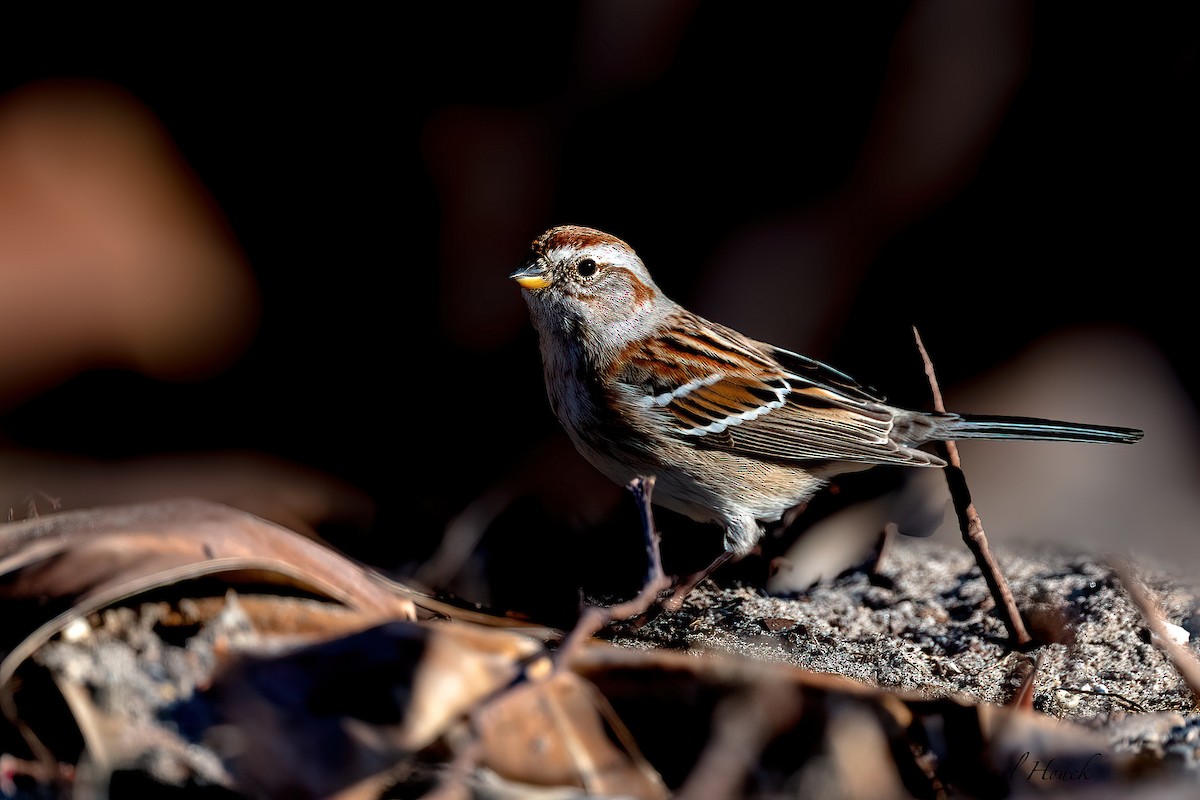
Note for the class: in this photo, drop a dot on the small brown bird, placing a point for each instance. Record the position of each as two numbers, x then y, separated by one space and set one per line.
735 430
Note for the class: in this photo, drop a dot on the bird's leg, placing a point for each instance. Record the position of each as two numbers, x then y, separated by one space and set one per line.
681 590
595 618
684 587
742 535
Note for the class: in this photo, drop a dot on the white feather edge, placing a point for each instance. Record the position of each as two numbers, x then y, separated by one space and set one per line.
660 400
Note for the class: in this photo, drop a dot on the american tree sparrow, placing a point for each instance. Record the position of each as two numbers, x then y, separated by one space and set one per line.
735 430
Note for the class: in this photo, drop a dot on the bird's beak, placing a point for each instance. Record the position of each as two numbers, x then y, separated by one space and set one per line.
532 275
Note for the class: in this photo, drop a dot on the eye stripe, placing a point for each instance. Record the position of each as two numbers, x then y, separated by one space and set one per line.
642 294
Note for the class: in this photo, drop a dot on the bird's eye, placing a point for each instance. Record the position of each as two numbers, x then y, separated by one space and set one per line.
586 268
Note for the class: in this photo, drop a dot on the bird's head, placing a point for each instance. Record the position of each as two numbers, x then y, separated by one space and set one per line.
586 284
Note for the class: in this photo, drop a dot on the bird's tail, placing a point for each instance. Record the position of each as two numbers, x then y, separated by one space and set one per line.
967 426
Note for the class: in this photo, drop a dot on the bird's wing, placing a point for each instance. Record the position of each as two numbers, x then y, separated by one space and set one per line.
717 389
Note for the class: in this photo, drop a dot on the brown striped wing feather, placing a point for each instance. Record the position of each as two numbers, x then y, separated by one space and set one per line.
718 389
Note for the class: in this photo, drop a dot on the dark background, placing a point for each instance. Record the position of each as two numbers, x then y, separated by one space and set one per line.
393 351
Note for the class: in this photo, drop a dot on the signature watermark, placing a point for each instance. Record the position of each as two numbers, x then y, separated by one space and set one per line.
1064 770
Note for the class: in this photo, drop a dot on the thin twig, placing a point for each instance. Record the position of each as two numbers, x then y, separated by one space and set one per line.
1185 663
969 521
595 618
1023 699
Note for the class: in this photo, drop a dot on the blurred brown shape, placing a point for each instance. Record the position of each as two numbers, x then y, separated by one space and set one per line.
461 666
859 754
552 733
1076 494
371 699
493 175
830 546
294 496
953 72
111 252
744 723
497 168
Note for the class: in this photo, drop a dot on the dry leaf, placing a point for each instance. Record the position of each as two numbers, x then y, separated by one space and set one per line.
65 566
552 733
109 553
370 700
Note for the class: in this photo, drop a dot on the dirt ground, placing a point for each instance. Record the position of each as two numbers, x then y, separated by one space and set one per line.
923 626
